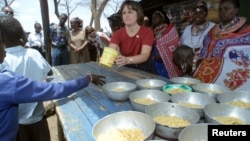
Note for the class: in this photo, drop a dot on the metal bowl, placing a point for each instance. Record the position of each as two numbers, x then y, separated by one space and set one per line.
199 99
156 84
155 95
171 109
212 90
177 88
224 110
127 120
195 132
184 80
237 97
119 90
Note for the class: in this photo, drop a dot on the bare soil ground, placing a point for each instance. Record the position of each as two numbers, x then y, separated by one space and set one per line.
52 122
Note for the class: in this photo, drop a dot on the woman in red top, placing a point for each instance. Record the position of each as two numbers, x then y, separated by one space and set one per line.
134 41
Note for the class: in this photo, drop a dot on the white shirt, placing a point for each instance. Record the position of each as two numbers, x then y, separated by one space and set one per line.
194 41
35 39
27 62
99 40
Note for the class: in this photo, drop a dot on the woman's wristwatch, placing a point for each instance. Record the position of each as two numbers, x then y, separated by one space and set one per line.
131 60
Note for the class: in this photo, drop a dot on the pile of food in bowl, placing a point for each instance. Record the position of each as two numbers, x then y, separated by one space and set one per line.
124 126
141 98
119 90
171 118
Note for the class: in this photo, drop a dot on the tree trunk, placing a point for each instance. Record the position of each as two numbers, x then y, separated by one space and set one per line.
56 8
46 32
96 13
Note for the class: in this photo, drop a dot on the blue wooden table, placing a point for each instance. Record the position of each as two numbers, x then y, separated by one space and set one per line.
79 112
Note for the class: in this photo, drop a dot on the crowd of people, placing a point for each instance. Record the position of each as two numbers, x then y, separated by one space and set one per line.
211 52
208 51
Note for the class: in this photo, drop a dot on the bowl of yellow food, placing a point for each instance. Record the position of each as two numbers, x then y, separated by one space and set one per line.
119 90
224 114
184 80
156 84
211 89
194 132
176 88
239 99
171 118
142 98
124 126
193 100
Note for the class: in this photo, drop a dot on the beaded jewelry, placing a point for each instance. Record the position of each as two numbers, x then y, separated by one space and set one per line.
159 30
198 29
199 33
230 27
194 63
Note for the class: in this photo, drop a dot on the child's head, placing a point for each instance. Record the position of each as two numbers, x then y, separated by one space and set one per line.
11 29
183 58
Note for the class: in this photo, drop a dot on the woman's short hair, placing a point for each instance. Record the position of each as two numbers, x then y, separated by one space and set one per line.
78 21
136 6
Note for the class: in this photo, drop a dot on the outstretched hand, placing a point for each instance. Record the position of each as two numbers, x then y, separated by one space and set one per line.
98 79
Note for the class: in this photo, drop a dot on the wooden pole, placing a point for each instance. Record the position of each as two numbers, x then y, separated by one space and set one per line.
46 31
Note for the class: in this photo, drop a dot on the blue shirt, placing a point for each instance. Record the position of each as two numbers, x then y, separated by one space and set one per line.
17 89
59 35
31 64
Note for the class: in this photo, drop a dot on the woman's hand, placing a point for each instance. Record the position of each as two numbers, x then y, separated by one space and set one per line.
121 60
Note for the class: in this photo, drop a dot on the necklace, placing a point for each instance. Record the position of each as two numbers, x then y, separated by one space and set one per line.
199 33
234 25
159 30
198 29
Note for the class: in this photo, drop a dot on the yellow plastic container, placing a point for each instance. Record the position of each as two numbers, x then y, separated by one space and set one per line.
108 57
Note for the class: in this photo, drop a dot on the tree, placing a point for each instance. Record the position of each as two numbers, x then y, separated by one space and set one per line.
96 7
114 5
7 2
97 12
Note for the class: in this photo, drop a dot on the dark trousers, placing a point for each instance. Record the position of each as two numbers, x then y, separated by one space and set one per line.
38 131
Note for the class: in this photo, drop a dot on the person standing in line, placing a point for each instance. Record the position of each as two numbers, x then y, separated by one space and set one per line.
115 22
194 34
226 50
133 41
92 44
224 56
36 39
59 36
79 52
30 63
8 10
99 37
16 89
166 41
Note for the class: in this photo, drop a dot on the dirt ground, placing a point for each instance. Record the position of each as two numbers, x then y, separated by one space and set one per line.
53 123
